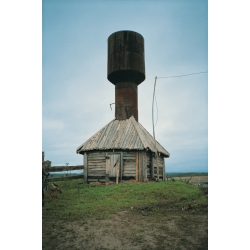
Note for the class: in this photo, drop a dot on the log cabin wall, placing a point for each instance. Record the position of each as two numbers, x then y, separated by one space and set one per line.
160 166
148 163
135 165
96 166
129 165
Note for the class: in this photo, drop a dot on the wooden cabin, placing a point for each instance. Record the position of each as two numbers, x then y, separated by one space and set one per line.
123 150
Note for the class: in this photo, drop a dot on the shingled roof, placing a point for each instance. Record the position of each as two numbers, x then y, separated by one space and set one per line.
124 135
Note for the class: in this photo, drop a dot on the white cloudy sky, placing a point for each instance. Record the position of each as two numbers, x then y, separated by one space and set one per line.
76 93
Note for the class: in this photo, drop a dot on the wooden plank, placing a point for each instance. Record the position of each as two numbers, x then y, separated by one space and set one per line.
126 168
97 153
96 171
129 166
97 167
65 178
97 174
126 134
129 159
152 165
97 162
110 169
85 167
117 172
127 153
144 166
97 157
64 168
121 171
130 172
107 163
130 156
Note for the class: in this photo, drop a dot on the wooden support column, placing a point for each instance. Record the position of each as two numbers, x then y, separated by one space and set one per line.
85 168
136 167
157 166
121 169
117 172
144 166
139 166
152 165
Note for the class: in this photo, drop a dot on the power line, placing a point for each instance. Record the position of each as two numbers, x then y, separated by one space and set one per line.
154 99
183 75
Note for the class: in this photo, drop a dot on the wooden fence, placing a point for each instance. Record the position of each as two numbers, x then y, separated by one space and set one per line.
64 168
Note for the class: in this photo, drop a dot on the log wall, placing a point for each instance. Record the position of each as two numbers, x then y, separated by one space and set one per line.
96 166
160 167
137 165
129 164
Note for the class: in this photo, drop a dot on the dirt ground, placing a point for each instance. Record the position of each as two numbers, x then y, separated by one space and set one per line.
137 228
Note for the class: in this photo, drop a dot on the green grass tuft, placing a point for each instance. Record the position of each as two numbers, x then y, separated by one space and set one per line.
82 201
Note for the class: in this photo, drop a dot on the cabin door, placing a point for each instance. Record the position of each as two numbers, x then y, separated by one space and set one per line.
112 164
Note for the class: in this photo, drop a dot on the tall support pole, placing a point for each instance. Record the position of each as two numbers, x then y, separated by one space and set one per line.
156 152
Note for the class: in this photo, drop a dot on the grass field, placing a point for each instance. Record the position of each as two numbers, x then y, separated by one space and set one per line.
153 215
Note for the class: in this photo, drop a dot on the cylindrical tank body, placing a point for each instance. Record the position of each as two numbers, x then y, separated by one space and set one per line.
126 70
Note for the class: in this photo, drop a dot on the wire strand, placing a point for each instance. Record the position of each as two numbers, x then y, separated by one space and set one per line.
183 75
154 95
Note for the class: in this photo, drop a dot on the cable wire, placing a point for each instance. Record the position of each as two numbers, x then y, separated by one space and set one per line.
154 98
183 75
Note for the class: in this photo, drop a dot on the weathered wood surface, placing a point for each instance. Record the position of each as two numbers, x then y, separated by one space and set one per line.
164 170
65 178
86 167
152 166
158 166
110 166
121 167
140 166
117 172
97 168
64 168
144 166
